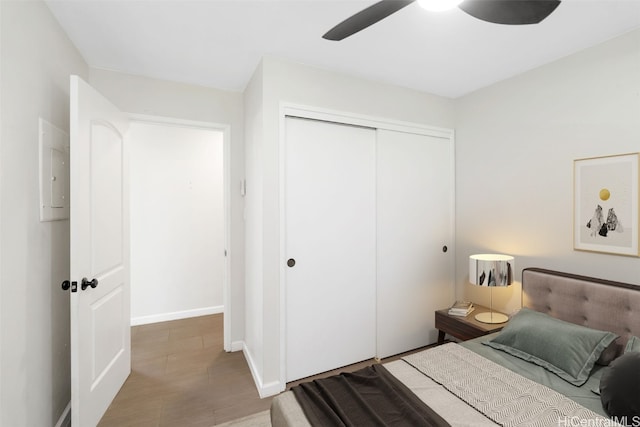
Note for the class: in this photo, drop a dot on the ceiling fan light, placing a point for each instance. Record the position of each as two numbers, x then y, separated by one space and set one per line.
438 5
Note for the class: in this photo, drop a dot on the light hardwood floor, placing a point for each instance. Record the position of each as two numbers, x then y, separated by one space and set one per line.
181 376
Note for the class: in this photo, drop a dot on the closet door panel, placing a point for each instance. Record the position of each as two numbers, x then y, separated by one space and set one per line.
330 233
414 222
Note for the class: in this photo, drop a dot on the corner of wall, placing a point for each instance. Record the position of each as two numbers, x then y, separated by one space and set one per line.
264 389
65 417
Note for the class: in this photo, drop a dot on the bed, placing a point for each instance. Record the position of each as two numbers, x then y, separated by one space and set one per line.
518 376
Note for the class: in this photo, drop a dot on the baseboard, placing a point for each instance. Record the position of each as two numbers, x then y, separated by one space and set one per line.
270 389
264 390
237 345
176 315
65 418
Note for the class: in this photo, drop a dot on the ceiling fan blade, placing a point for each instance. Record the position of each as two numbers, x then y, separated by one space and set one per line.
369 16
510 12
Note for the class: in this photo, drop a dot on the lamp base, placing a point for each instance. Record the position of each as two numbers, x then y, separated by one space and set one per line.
491 317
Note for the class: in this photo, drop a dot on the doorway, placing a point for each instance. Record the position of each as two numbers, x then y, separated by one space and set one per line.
178 221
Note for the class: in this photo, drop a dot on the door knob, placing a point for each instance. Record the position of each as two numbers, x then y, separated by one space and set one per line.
86 283
291 262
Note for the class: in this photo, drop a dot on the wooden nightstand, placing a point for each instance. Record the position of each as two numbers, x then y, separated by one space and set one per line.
464 328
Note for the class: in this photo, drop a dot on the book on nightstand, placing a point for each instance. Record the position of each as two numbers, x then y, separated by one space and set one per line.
461 308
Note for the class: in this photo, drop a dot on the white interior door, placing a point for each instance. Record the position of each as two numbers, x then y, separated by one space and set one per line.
100 315
330 233
415 211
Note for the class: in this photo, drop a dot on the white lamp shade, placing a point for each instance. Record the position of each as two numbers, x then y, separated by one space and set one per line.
491 270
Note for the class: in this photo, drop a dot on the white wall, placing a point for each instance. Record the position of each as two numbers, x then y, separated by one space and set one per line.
254 309
37 59
516 142
141 95
177 221
278 81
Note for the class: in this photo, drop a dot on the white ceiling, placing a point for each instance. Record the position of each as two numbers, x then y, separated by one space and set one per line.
218 43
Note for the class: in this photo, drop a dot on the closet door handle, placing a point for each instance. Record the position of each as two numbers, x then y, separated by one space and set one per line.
291 262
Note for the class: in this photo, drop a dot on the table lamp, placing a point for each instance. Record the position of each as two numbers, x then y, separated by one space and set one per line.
491 270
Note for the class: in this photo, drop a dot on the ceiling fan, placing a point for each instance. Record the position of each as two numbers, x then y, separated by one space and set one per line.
510 12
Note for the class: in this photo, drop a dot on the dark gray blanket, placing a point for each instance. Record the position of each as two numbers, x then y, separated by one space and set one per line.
368 397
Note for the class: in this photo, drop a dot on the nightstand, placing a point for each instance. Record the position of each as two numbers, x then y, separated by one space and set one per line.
464 328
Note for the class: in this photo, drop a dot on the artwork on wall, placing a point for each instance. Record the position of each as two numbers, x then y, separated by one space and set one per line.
606 204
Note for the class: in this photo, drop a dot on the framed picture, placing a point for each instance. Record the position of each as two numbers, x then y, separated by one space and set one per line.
606 204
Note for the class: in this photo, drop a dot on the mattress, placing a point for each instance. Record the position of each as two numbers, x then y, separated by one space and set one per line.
583 395
285 410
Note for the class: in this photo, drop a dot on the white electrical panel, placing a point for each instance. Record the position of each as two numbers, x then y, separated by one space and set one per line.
54 172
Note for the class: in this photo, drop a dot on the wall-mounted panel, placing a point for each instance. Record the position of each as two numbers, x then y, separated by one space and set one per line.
54 172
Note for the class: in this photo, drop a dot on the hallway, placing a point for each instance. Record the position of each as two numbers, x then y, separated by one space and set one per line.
181 376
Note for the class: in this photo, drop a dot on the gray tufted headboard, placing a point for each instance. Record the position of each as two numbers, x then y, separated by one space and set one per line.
595 303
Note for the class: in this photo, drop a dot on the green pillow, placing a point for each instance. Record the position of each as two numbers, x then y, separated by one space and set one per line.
566 349
620 387
633 344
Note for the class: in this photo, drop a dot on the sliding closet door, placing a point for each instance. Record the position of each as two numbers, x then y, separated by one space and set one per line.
330 245
414 209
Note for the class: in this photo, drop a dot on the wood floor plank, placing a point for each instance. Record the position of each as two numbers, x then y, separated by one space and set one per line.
181 376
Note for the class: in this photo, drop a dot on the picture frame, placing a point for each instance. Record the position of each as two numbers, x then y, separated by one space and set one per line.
606 193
